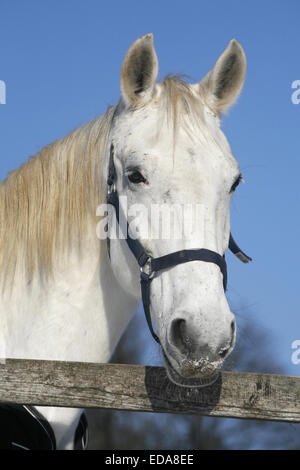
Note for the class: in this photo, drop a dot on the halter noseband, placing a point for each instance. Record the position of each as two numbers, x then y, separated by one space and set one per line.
149 266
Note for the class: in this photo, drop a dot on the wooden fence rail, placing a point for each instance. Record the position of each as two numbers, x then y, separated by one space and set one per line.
139 388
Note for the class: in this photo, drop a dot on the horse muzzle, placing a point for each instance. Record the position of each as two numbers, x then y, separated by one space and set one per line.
190 361
192 373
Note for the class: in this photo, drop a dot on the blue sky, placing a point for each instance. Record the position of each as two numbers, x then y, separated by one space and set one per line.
61 63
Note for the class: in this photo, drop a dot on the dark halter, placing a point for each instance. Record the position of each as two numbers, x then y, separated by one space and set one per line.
149 266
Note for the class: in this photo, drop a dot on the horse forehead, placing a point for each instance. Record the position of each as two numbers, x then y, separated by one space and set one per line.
145 133
145 136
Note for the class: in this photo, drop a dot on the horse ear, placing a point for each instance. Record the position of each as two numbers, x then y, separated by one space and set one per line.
223 83
139 72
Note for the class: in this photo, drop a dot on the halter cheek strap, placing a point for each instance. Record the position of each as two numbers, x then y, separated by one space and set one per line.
149 266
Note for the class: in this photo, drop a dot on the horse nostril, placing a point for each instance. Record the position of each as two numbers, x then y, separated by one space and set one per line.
233 327
224 352
178 335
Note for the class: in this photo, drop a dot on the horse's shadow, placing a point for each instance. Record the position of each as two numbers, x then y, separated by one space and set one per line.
167 397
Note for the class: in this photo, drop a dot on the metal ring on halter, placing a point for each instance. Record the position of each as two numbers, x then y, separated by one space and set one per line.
111 187
147 275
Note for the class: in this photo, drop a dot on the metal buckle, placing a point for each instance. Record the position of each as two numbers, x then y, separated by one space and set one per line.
111 187
146 270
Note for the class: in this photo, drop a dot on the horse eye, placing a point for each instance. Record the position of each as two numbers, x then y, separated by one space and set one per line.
136 177
236 183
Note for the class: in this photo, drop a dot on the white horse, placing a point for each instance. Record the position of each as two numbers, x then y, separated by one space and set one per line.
63 298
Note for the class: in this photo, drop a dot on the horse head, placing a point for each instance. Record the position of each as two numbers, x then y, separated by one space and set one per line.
175 172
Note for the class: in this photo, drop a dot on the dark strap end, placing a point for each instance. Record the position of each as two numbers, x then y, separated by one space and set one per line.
237 251
243 257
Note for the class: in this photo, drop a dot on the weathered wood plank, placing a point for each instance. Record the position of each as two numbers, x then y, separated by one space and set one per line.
138 388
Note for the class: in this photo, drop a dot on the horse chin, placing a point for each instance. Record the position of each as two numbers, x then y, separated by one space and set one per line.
196 378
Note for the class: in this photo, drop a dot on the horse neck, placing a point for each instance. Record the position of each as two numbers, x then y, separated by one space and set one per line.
78 312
